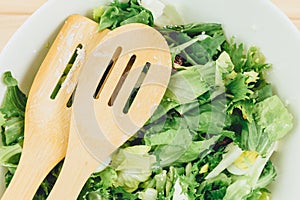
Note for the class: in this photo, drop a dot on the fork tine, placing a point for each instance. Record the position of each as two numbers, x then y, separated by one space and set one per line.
71 80
61 51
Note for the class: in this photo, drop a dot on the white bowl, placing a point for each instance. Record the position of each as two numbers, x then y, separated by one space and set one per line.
255 22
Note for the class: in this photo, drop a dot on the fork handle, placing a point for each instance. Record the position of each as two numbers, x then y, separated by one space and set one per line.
77 168
31 171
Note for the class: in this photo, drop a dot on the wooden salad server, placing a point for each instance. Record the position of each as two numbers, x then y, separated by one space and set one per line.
130 57
47 117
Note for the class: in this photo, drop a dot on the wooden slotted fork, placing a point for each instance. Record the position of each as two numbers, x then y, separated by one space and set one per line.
47 120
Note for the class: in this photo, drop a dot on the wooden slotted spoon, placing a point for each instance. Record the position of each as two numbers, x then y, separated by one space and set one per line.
101 122
47 120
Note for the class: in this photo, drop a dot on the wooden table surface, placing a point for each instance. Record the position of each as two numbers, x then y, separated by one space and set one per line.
14 12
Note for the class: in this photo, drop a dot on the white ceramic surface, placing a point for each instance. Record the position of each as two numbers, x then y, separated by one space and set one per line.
254 22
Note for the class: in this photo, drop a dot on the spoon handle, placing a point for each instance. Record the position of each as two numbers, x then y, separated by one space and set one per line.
77 168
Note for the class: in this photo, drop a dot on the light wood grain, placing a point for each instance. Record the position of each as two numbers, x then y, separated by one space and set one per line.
13 13
290 7
16 7
8 25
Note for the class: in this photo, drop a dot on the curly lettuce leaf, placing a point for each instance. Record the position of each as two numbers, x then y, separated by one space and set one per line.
14 101
120 13
246 60
215 188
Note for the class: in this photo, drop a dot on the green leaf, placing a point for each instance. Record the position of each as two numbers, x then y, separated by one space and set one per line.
212 44
120 13
108 177
214 188
13 130
171 152
273 118
196 49
263 92
239 88
8 155
163 108
259 194
148 194
142 17
133 166
196 149
237 54
255 61
244 106
160 138
48 183
209 117
14 101
250 136
160 181
187 85
238 189
121 193
193 29
267 176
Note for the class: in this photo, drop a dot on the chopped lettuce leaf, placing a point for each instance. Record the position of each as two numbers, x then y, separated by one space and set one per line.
224 63
187 85
273 118
196 149
13 130
9 156
133 166
168 154
238 189
148 194
161 138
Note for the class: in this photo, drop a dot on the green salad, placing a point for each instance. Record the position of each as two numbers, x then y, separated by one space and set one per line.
211 137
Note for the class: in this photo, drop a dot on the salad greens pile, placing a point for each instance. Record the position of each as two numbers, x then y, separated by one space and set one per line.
211 137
